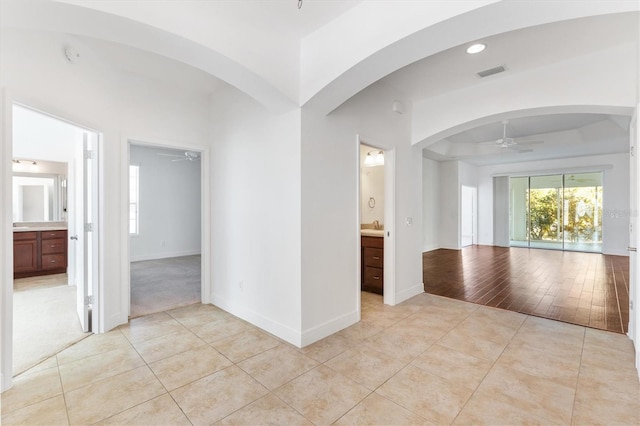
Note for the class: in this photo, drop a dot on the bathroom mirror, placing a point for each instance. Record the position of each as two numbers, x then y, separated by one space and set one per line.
40 196
39 191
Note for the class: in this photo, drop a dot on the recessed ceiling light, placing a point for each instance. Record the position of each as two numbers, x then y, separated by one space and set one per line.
475 48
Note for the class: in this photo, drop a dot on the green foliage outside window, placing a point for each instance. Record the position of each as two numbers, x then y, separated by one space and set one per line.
582 219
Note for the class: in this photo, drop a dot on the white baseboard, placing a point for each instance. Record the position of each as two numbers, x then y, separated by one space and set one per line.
450 247
5 383
616 252
409 293
155 256
429 248
282 331
328 328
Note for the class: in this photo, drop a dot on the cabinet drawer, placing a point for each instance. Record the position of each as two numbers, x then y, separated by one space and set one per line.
373 257
20 236
373 280
372 242
54 261
48 235
53 246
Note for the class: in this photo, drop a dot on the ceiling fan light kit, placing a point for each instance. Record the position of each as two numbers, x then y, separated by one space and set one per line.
514 144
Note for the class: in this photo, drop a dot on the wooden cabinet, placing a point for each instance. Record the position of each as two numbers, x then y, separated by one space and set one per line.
372 264
39 253
25 252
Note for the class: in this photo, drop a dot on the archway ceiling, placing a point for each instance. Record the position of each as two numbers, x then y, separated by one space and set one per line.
318 56
301 57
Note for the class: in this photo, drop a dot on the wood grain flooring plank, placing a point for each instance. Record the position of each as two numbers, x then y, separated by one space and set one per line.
587 289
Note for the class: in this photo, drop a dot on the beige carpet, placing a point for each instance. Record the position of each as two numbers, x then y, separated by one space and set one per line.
162 284
44 319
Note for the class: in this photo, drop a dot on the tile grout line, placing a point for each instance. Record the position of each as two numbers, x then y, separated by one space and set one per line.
490 369
64 396
575 395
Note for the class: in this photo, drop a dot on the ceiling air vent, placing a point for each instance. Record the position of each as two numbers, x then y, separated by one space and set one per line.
491 71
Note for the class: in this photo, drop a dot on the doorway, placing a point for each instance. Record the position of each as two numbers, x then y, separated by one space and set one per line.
561 211
55 216
165 228
468 216
376 219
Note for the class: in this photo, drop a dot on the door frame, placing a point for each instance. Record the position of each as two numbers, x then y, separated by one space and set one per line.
389 287
474 214
7 101
206 287
634 238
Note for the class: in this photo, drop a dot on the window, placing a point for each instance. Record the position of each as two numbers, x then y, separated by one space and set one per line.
134 193
562 211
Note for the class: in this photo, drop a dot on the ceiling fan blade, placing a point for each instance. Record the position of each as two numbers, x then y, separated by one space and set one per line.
493 142
179 159
169 155
528 142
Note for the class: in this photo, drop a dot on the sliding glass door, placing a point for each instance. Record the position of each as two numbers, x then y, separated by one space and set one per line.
561 212
583 212
519 211
545 212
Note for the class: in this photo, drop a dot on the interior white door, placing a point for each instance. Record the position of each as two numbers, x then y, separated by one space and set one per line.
82 204
634 235
467 216
86 240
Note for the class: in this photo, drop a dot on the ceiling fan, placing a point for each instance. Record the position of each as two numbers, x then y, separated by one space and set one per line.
188 156
514 144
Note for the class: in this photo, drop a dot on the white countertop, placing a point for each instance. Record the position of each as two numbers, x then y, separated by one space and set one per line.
372 232
34 228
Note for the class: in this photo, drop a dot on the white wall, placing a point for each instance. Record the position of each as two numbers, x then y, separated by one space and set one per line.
430 204
169 205
95 93
39 137
256 213
371 185
615 223
449 205
330 221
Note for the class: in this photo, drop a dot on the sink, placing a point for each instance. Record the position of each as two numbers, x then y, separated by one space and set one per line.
20 227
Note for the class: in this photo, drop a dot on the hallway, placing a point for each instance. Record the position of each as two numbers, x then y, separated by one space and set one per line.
586 289
430 360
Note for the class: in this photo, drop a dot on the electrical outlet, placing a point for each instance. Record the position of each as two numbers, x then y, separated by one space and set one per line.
163 243
241 285
409 221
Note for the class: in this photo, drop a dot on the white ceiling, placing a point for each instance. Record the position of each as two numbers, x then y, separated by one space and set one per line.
518 51
453 69
555 136
277 15
564 135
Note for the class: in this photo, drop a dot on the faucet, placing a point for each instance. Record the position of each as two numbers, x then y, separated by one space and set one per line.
376 224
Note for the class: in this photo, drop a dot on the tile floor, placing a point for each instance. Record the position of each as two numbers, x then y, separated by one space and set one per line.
430 360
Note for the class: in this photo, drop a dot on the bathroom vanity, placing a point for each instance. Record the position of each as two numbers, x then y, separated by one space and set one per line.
372 260
39 251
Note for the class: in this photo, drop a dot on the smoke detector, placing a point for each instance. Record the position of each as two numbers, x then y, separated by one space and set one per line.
71 54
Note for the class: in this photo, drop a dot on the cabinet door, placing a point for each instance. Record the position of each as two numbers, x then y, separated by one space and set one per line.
25 256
